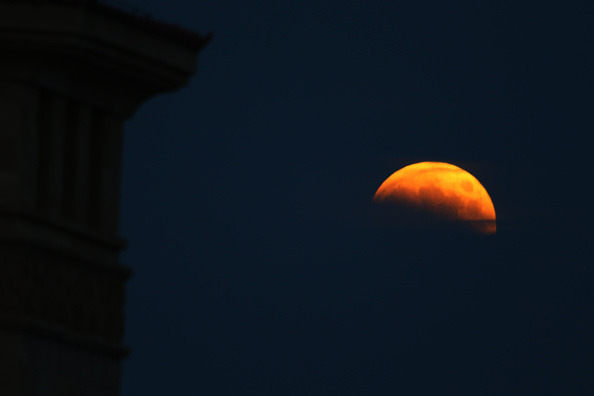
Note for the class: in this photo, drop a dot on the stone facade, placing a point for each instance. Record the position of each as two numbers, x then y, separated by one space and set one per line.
72 73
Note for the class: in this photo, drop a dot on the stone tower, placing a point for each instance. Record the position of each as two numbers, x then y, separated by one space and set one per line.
71 73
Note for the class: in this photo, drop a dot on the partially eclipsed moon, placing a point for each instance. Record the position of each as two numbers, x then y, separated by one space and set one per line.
444 191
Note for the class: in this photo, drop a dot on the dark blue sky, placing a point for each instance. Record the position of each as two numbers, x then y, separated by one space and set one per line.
245 197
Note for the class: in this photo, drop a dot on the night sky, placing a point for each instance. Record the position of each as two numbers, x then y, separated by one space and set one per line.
246 199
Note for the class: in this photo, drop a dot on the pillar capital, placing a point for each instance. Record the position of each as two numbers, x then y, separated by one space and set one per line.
99 54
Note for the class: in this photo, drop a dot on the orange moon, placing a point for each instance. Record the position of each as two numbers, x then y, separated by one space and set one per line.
444 191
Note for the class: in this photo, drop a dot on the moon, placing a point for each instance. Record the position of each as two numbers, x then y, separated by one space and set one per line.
443 191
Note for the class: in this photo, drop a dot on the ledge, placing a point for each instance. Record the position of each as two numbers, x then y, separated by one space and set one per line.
88 248
184 37
41 329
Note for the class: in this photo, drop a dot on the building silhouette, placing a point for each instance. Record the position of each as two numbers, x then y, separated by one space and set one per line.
71 73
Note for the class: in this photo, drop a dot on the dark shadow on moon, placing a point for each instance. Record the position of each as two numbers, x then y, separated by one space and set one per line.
401 215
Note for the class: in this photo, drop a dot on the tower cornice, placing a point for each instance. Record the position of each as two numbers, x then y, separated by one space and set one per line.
106 55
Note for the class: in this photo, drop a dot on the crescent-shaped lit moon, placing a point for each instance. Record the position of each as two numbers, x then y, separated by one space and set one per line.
445 191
